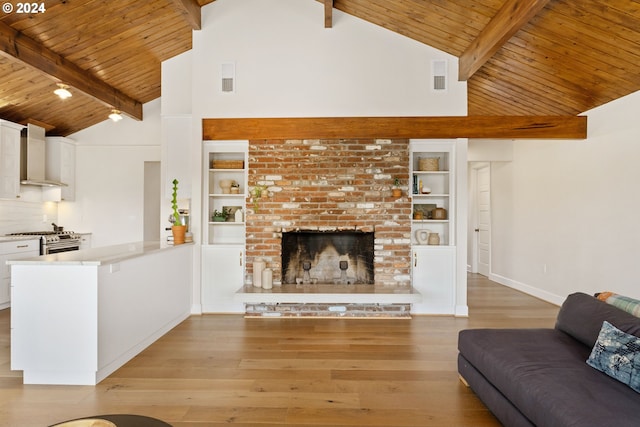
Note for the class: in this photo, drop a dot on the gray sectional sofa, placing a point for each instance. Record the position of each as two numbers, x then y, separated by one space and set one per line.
540 377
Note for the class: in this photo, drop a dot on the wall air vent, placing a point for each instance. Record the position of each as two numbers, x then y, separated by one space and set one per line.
228 77
439 75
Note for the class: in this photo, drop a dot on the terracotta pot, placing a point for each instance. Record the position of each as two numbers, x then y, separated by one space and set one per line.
178 232
397 192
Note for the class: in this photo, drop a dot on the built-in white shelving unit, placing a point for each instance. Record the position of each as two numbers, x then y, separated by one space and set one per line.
225 162
223 252
432 188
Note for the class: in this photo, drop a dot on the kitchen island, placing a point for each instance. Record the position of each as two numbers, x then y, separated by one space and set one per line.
78 316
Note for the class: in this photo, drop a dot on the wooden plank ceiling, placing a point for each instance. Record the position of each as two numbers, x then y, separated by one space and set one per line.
520 57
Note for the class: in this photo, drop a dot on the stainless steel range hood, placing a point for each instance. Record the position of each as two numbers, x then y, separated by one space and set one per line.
33 158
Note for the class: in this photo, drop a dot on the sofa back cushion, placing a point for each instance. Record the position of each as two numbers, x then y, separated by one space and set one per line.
582 315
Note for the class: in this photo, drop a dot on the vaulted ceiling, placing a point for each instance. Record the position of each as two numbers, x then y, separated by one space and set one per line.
520 57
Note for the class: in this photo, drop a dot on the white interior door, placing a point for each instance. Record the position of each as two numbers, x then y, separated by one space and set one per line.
483 229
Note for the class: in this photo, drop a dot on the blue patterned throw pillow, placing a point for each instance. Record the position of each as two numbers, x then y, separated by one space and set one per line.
617 354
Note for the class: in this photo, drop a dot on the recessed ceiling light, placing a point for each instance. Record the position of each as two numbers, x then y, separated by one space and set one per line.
63 91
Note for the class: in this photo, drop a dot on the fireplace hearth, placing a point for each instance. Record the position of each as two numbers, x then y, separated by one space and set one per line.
328 257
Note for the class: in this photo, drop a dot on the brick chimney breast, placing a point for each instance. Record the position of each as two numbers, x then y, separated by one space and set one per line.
330 185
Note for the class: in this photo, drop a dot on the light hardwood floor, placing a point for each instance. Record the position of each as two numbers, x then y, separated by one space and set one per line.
213 370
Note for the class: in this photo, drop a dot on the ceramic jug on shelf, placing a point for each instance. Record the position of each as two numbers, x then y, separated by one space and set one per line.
433 239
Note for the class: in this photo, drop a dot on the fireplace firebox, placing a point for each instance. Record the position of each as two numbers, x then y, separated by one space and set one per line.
327 257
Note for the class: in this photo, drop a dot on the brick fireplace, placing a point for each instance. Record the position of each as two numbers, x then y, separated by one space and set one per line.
327 257
330 186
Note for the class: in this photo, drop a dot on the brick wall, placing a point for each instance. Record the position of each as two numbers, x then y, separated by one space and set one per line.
330 185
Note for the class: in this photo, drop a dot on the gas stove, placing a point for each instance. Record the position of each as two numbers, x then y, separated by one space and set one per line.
52 242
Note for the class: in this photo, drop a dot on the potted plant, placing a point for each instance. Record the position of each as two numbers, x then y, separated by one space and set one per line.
219 216
178 229
396 191
235 187
256 195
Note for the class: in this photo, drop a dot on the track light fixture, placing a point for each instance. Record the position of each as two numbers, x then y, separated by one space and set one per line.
63 91
115 115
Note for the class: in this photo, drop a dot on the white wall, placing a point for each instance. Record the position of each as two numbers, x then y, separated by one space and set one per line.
18 216
565 213
110 178
289 65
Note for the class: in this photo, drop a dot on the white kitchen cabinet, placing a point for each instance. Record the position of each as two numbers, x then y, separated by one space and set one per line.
9 159
61 165
222 277
9 250
434 276
85 241
76 318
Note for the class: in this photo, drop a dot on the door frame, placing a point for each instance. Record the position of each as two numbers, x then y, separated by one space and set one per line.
472 224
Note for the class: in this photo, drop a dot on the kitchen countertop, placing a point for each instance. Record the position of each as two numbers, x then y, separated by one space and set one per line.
14 238
98 256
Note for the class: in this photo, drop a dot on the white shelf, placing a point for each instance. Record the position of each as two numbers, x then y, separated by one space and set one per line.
224 232
223 223
440 182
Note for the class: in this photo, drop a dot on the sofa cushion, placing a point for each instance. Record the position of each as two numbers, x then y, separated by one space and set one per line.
628 304
543 373
617 354
581 316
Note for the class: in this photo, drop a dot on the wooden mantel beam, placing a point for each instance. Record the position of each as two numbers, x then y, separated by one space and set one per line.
190 10
16 45
328 13
513 15
492 127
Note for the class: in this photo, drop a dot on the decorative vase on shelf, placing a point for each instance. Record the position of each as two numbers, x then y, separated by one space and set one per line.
422 236
267 278
225 185
439 213
258 266
434 239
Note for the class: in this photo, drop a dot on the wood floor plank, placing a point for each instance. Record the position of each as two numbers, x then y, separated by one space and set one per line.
216 370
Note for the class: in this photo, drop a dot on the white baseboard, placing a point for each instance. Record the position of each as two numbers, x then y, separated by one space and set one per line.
527 289
462 311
